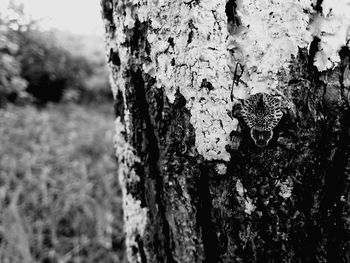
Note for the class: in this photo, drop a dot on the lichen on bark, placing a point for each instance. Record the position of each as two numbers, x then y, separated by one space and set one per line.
192 194
188 54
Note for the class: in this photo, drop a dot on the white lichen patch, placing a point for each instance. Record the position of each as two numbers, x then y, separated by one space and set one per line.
332 27
271 32
249 206
221 168
135 216
187 41
239 188
187 49
285 188
245 200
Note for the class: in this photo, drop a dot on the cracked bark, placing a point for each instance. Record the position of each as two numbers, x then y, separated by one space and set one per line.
194 214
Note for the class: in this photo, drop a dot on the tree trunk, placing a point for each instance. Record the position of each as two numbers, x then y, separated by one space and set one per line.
197 185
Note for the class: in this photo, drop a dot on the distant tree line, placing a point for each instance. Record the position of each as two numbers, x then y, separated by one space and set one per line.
48 66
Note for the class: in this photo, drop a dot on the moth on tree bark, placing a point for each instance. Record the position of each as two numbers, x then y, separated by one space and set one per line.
196 188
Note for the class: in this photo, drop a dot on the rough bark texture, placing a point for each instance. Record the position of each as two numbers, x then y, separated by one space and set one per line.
287 202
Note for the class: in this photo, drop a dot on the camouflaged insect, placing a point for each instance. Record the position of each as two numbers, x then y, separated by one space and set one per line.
261 112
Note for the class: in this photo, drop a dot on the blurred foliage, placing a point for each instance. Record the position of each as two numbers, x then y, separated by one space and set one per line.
49 69
59 196
12 84
48 65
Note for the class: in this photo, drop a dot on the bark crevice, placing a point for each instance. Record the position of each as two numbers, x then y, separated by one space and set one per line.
336 172
233 20
151 177
204 217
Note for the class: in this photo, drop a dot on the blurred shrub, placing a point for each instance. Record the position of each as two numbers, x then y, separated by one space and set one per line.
49 69
12 84
95 86
49 65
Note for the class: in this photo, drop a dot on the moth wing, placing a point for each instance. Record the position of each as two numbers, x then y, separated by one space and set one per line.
275 111
249 110
249 117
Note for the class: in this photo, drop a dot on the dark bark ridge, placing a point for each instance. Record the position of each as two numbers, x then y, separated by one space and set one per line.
163 137
143 139
310 149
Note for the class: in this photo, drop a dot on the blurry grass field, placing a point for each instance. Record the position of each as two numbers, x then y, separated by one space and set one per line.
59 196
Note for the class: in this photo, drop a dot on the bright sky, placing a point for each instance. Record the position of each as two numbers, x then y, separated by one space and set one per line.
77 16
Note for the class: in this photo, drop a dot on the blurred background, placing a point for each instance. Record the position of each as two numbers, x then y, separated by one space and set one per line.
59 194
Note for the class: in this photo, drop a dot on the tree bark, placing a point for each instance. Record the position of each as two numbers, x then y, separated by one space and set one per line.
196 188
